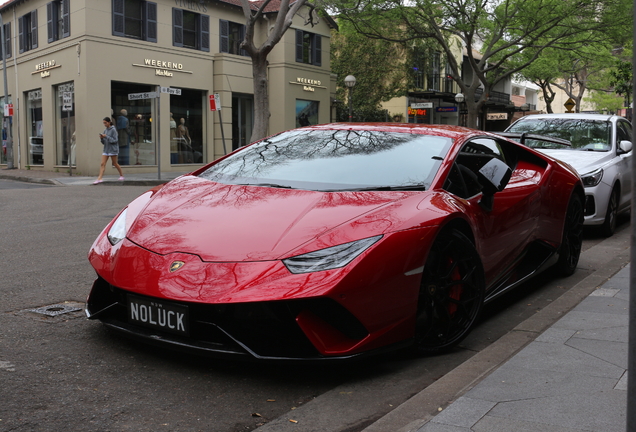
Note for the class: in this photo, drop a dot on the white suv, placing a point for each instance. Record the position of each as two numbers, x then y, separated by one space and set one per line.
601 152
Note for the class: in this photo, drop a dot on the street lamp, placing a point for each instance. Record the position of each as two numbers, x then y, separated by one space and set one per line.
350 81
460 98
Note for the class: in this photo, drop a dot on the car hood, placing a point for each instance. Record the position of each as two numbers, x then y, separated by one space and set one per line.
232 223
583 162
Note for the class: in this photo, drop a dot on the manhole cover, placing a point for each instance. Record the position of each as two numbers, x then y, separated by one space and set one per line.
69 309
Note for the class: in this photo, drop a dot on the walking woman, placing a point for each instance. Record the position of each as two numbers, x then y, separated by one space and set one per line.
111 149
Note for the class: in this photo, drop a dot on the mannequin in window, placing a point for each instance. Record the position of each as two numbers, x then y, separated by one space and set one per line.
185 152
174 142
124 138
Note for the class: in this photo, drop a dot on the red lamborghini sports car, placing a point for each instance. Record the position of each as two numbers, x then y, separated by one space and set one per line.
336 241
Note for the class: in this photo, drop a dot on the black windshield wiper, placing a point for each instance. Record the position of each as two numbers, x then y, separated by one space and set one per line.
272 185
380 188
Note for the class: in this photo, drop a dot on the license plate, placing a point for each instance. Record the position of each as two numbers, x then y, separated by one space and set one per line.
165 316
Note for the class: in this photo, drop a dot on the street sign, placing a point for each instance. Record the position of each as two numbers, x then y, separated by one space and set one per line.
67 101
8 110
569 104
215 102
139 96
170 90
422 105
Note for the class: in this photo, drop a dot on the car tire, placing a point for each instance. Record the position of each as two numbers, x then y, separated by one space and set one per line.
611 216
451 293
572 242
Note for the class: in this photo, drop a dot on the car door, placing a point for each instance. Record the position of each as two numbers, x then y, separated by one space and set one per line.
624 162
504 232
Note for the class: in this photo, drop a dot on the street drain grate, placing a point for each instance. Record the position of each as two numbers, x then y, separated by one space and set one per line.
57 309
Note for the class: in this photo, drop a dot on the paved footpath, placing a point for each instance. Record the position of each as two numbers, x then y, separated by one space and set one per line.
573 377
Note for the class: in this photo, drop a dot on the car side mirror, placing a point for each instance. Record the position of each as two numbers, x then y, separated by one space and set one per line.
624 147
494 176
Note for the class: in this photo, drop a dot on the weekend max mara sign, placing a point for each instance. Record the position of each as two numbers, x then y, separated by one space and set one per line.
163 67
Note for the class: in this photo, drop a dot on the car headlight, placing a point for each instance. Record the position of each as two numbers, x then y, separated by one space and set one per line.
117 231
329 258
593 178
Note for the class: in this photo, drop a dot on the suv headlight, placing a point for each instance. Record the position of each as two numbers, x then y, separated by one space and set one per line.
329 258
118 229
593 178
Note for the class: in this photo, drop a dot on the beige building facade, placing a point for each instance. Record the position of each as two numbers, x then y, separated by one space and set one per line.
157 68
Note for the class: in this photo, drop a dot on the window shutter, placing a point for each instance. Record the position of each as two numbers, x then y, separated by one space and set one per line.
224 33
34 29
66 18
242 37
204 34
50 21
151 22
299 46
118 18
7 35
317 45
177 27
21 34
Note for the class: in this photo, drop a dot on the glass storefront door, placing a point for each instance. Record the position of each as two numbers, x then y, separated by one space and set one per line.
35 128
187 127
65 124
242 119
306 112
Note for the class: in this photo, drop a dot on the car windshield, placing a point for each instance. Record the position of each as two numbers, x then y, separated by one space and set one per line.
335 160
584 134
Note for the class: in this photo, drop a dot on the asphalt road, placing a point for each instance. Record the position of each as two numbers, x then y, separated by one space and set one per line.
63 372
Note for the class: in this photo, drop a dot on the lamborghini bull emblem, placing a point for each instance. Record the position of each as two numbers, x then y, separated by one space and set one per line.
176 265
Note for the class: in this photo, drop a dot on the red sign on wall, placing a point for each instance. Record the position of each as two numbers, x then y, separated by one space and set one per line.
215 102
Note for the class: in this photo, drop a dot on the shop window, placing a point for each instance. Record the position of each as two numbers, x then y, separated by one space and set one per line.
135 19
187 127
6 131
58 20
306 112
28 31
35 128
65 124
190 30
133 120
6 46
308 48
242 119
232 34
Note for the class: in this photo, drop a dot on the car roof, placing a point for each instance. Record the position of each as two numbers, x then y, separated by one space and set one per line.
588 116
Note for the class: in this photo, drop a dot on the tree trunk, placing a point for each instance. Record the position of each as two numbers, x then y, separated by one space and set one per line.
261 98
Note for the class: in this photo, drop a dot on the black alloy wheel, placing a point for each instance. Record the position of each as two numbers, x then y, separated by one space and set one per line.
611 216
451 293
571 245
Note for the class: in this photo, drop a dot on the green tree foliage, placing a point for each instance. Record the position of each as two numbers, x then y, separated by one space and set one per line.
492 33
379 69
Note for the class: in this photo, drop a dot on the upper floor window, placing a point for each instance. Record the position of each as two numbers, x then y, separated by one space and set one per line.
190 30
28 31
6 46
232 34
308 48
58 20
135 19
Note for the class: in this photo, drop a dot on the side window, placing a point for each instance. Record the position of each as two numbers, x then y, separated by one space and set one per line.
190 30
308 48
623 131
463 180
58 20
7 41
231 36
28 31
135 19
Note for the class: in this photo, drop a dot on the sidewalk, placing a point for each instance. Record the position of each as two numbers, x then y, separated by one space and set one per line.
62 178
571 378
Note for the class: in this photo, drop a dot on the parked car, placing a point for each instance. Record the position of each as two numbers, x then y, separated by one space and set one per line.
336 241
601 152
